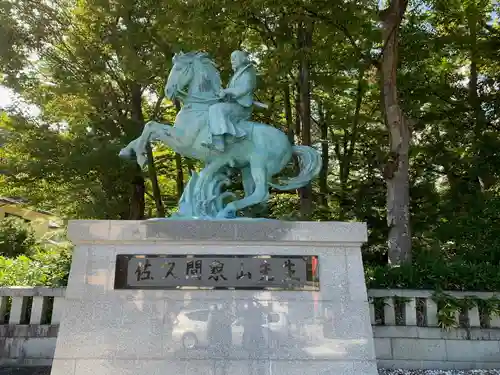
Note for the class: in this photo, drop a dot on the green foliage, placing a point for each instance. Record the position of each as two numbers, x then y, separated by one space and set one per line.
47 266
91 68
435 273
16 237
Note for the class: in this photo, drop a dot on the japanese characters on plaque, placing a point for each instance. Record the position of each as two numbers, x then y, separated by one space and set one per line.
213 271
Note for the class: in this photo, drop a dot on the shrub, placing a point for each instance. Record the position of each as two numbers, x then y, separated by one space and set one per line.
47 266
16 237
435 274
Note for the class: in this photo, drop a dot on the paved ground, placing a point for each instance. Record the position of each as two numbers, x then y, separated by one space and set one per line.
46 371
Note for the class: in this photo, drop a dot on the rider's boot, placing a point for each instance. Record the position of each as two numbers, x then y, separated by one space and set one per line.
218 142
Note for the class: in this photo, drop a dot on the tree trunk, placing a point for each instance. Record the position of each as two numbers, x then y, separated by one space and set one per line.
305 44
190 166
288 114
396 171
298 121
349 145
323 176
474 100
137 201
138 188
153 175
481 180
179 179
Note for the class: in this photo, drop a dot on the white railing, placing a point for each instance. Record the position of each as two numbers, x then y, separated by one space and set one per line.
461 328
388 307
31 305
399 307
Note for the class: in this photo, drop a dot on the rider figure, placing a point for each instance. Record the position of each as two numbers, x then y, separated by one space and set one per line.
236 104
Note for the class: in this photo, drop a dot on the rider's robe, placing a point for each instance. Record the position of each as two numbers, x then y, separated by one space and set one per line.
224 116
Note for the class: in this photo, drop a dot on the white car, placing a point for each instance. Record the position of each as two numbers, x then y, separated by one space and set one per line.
190 328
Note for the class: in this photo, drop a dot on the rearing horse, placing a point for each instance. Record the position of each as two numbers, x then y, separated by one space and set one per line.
262 154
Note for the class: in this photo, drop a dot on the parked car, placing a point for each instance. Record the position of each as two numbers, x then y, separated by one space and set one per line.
190 328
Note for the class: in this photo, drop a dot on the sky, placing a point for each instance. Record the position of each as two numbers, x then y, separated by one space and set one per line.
8 98
5 97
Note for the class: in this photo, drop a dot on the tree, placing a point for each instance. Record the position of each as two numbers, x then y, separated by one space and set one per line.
396 171
16 237
333 76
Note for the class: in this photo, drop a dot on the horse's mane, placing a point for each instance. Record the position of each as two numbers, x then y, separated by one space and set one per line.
203 63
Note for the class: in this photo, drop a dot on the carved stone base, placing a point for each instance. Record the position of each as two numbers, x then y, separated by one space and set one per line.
105 331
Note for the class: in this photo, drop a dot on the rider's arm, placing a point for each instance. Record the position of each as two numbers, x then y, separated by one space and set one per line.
246 85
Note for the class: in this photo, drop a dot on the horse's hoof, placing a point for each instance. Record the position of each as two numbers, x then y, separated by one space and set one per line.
125 154
228 212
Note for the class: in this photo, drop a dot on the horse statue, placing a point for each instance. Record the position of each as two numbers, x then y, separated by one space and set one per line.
264 153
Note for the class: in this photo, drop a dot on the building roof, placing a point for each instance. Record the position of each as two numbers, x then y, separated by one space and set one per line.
19 200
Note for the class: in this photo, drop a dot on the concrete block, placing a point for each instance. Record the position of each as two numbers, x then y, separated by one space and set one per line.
13 346
143 366
395 331
88 231
383 348
85 231
333 274
419 349
38 309
487 365
474 334
28 291
126 332
18 309
494 334
24 362
123 342
431 309
411 312
37 348
372 314
4 303
389 312
323 367
423 365
473 315
326 349
495 321
356 275
101 265
58 309
429 333
78 273
350 320
145 311
63 367
474 351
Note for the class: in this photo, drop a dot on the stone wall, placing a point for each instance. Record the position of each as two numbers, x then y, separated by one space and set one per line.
405 323
29 320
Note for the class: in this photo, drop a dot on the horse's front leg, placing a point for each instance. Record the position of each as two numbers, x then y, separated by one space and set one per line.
170 135
153 131
137 148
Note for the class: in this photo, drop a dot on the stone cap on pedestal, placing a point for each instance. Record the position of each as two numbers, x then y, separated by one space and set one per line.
99 231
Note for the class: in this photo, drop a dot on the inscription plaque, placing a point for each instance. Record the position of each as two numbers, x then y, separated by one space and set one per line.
161 271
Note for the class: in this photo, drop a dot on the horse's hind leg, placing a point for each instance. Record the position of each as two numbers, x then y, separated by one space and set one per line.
247 180
259 194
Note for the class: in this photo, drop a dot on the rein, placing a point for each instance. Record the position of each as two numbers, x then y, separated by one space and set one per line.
198 99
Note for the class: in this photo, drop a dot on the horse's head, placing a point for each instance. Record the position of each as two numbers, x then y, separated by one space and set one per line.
196 70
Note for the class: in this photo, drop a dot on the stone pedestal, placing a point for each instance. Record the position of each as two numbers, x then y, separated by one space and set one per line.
105 331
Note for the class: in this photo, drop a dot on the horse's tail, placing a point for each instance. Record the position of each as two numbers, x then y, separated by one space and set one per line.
310 165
